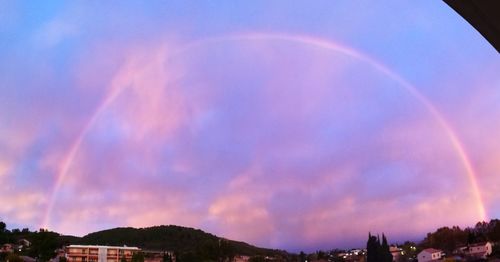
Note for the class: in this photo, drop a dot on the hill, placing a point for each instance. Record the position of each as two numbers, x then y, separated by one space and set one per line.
182 240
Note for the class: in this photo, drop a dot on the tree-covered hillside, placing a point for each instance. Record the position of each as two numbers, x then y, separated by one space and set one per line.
182 240
188 244
448 239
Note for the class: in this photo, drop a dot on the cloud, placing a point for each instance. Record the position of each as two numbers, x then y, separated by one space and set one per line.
262 150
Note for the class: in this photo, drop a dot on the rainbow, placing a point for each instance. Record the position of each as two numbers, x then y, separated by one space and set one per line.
300 39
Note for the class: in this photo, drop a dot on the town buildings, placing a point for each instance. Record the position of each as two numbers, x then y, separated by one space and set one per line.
9 248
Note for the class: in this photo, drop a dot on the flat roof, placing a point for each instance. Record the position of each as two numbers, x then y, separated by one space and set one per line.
97 246
432 250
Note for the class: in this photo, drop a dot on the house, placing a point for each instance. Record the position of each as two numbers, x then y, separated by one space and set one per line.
479 250
460 250
24 242
396 253
429 254
6 248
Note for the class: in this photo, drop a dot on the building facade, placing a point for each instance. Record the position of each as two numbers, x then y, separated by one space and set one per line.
396 252
87 253
429 254
479 250
6 248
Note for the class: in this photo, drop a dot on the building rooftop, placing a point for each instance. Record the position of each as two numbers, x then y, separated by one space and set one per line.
97 246
478 244
432 250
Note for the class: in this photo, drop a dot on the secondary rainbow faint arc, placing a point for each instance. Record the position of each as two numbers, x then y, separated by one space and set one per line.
301 39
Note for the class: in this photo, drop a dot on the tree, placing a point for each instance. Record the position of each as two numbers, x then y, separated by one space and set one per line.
495 251
3 233
43 245
209 250
409 251
448 239
378 252
13 258
257 259
226 250
188 257
321 255
302 256
372 248
471 237
335 255
167 257
138 257
494 230
385 252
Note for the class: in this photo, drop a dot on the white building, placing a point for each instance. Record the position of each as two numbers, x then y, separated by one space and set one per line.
24 242
88 253
479 250
429 254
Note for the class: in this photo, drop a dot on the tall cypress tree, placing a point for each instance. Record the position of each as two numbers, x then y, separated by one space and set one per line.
372 249
377 251
385 252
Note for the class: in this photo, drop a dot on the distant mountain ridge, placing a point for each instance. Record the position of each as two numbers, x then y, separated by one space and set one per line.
170 238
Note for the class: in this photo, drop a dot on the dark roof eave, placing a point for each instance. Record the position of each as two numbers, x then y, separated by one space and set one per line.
483 15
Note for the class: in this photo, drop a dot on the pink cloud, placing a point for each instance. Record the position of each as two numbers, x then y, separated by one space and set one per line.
299 148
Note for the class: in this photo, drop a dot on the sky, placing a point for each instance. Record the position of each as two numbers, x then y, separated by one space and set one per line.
296 125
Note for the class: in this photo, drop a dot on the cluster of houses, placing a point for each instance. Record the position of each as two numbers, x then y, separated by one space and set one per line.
360 254
21 245
471 252
464 253
352 255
